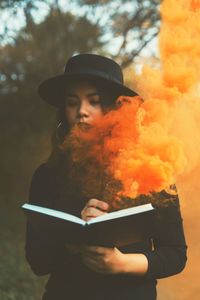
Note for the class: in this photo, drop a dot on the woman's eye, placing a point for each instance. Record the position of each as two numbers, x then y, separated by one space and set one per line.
95 101
71 102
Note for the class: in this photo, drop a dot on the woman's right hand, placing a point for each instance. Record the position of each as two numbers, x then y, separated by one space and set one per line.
94 208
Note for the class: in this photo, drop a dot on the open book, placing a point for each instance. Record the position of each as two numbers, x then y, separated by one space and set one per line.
117 228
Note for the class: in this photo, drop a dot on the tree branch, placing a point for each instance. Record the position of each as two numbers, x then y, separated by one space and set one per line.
134 53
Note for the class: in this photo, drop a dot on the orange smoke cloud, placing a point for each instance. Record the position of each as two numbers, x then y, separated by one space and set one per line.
175 85
150 145
179 75
131 148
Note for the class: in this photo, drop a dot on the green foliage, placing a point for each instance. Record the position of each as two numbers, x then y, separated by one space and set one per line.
17 281
129 25
135 23
27 122
41 50
26 4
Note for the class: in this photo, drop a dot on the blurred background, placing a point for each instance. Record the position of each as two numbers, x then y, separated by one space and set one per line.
36 40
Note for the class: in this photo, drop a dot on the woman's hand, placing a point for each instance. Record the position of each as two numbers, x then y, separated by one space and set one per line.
103 260
99 259
107 260
111 260
93 209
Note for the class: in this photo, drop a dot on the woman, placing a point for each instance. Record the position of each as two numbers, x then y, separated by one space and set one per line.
87 90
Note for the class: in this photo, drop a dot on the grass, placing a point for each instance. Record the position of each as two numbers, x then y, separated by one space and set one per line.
17 282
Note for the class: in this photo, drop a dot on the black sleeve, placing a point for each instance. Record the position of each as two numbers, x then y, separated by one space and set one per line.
43 253
169 254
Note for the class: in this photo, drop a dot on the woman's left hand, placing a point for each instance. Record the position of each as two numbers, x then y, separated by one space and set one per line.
111 260
103 260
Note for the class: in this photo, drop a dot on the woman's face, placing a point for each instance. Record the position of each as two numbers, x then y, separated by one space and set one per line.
82 103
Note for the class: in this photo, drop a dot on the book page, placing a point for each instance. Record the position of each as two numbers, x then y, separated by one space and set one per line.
121 213
53 213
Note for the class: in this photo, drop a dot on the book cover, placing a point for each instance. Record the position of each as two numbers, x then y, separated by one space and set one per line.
112 229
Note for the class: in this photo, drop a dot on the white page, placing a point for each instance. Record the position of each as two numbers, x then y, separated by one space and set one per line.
54 213
122 213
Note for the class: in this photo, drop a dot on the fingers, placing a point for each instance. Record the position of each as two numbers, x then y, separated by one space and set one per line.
76 249
91 251
85 250
94 208
98 204
93 264
92 212
95 250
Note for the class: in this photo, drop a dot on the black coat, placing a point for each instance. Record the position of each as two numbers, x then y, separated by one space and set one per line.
70 279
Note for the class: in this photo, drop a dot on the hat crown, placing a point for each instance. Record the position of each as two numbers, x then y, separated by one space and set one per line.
80 67
94 64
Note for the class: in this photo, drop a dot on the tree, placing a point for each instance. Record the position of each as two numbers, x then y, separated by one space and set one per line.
134 23
12 7
128 26
41 50
38 52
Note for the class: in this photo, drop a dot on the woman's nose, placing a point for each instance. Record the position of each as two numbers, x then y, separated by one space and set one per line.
83 110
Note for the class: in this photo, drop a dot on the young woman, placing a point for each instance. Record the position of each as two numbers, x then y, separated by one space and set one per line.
87 90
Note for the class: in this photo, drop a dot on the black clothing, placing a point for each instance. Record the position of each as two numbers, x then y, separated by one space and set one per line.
70 279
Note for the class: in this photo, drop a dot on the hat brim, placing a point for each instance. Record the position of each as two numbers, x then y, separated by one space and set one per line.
52 89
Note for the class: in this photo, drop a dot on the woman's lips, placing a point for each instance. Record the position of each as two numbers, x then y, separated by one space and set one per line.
83 125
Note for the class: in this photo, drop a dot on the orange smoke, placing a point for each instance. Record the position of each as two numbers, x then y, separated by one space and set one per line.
180 73
131 148
172 91
149 145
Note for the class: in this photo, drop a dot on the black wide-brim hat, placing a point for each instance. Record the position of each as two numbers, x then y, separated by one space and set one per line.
84 66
